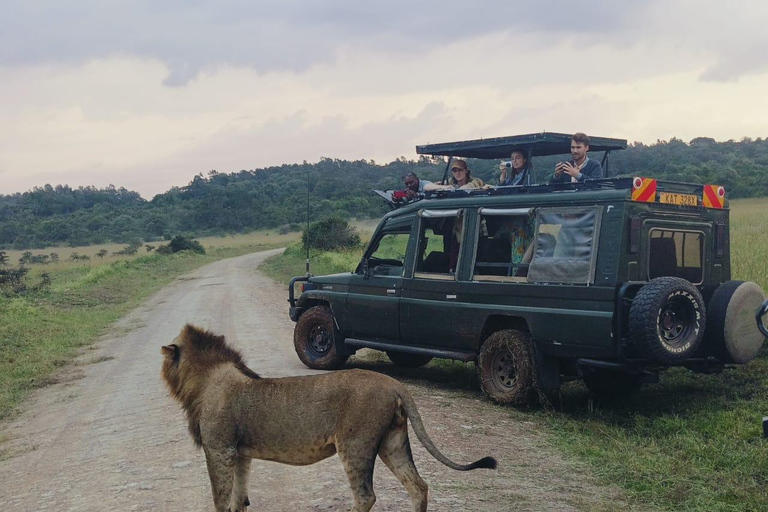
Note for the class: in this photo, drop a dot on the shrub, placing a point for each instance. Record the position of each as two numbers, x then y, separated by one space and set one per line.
12 280
181 243
126 251
331 234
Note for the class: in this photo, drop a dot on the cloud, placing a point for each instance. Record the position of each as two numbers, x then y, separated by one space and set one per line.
276 35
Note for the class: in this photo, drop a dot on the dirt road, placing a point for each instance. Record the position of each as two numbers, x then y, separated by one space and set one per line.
107 436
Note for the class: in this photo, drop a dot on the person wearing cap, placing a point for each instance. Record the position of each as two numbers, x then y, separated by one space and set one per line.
461 179
581 167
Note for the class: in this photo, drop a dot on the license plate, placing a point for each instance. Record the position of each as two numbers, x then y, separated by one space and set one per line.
681 199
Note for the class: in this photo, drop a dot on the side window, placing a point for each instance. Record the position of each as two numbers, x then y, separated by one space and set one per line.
388 255
676 253
565 245
440 235
504 245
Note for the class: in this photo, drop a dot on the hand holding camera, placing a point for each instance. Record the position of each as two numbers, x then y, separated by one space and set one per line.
503 167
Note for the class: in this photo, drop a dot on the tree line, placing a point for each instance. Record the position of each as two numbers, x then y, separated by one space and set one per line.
239 202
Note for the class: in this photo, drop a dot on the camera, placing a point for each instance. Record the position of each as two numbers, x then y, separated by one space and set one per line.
508 164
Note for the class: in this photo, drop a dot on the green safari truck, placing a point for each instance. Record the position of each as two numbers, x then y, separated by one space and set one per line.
607 280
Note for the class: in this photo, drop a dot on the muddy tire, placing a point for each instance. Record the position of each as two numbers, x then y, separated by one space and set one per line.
408 360
612 385
505 367
667 319
314 339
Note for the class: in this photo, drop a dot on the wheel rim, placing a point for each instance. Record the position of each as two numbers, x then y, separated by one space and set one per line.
675 321
319 340
504 374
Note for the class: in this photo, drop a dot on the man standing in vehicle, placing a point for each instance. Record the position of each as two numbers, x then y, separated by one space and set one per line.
581 167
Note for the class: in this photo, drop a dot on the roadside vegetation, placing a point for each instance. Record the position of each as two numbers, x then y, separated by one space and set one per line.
691 443
56 308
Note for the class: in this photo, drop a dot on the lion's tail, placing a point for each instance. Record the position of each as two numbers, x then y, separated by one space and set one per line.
418 426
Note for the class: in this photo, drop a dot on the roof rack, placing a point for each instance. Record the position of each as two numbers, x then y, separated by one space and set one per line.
536 144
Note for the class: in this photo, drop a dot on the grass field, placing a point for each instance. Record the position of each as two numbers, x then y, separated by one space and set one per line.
692 442
42 330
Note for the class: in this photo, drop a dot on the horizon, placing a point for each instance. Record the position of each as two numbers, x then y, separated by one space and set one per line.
381 164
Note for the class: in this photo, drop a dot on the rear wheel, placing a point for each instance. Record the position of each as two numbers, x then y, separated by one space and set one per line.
408 360
666 320
505 367
314 339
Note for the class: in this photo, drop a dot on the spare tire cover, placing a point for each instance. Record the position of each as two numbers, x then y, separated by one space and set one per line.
732 316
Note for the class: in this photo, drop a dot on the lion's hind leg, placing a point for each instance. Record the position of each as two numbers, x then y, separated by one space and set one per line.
240 501
395 452
359 468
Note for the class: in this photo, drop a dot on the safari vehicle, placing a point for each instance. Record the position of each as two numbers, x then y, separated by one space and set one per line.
624 277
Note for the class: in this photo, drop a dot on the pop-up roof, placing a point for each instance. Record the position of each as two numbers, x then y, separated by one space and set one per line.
539 144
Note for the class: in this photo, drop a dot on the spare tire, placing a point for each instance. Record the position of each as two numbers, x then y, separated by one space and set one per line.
732 335
667 319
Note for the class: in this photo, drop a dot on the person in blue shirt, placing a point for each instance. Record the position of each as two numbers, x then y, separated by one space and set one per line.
581 167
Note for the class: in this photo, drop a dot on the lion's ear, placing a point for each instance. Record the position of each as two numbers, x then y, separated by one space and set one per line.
171 351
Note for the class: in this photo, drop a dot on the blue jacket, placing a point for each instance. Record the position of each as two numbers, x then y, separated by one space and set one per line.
524 178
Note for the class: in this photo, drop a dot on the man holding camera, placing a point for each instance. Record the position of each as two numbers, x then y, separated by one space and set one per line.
581 167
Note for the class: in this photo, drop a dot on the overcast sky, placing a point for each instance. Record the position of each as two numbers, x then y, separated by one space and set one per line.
146 94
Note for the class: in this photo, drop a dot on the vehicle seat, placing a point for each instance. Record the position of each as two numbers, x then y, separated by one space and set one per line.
436 262
662 260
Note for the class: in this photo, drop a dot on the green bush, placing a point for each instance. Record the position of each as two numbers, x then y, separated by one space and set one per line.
331 234
181 243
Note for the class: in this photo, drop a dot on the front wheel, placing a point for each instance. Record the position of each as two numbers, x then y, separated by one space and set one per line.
315 341
505 367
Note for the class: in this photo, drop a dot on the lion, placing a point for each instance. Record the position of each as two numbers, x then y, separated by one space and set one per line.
235 416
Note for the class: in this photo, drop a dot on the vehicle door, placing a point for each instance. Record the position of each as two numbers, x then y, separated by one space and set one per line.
497 286
373 303
570 309
430 306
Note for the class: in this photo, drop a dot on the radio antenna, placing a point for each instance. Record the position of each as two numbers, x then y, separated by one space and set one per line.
307 231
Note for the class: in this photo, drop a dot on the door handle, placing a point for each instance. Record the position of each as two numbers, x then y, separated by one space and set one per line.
391 291
452 296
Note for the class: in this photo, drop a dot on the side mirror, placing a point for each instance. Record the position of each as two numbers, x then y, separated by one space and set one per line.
364 268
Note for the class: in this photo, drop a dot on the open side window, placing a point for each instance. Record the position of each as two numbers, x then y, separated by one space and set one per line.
387 252
565 247
440 233
504 244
